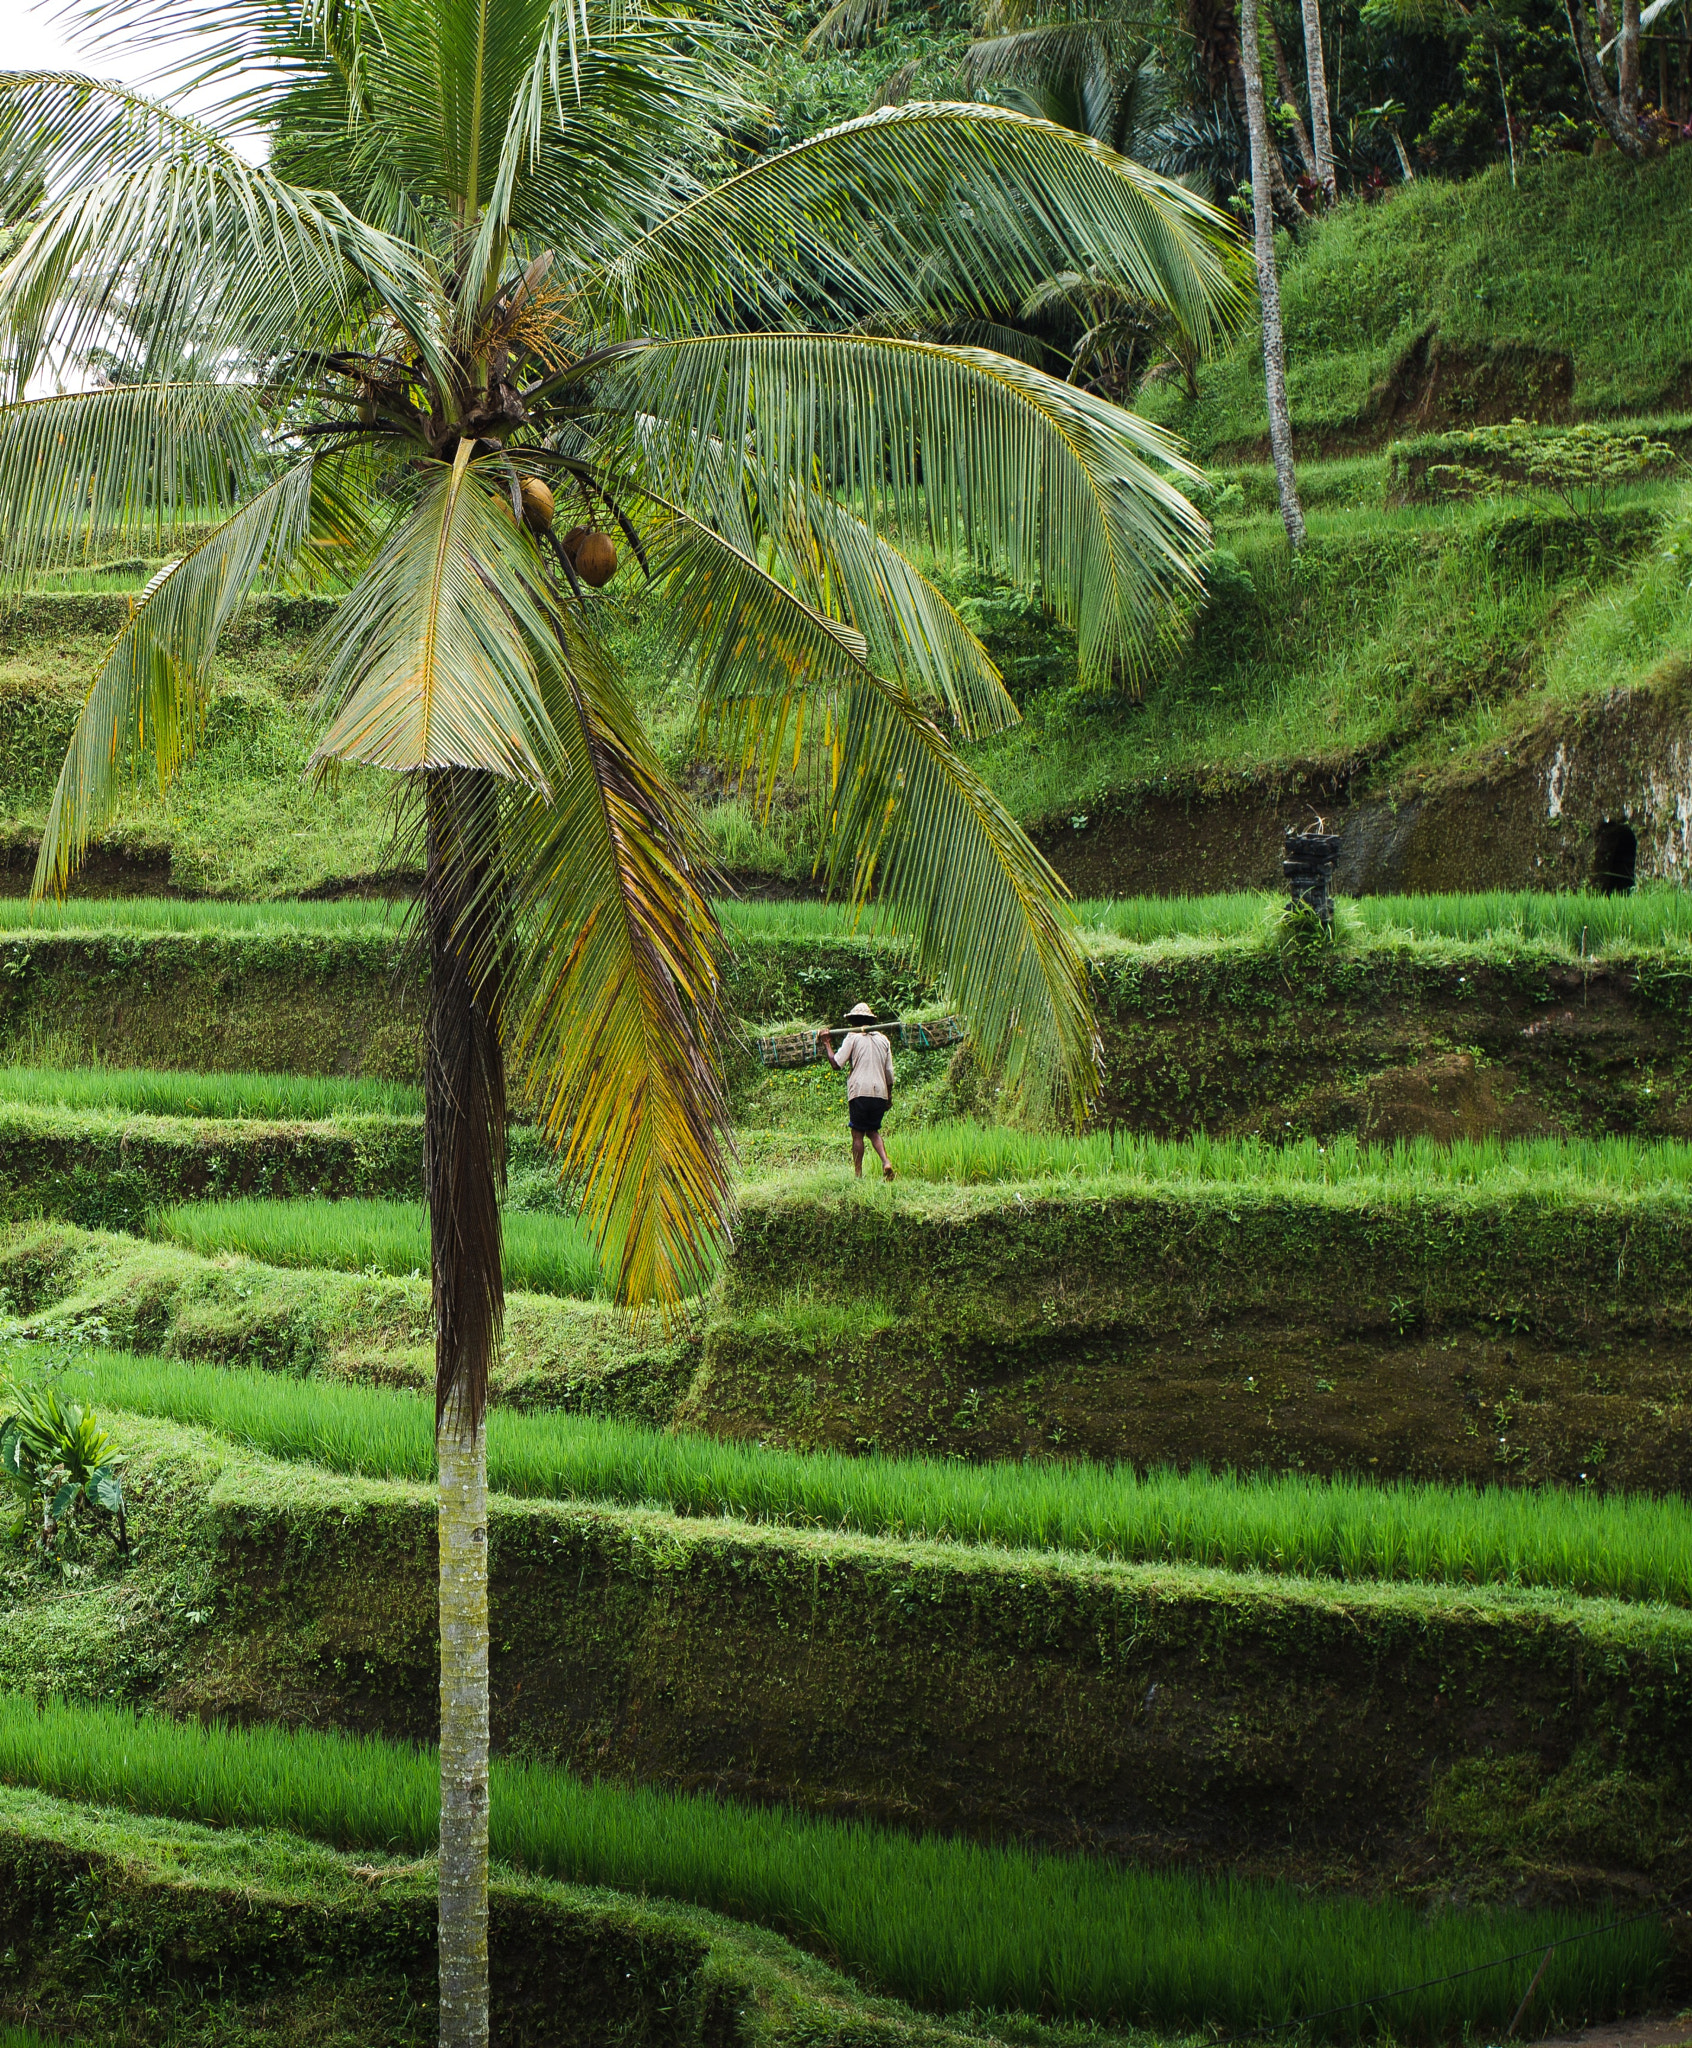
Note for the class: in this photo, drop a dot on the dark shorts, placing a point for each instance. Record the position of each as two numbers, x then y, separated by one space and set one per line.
865 1113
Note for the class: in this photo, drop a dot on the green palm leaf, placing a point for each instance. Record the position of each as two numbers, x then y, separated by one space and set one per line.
135 462
952 873
226 255
149 700
1058 490
435 659
975 200
851 576
611 1003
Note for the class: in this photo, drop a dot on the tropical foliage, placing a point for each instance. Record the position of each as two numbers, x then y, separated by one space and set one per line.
355 357
57 1458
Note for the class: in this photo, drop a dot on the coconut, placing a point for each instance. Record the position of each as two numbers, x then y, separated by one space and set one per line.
596 560
537 504
573 540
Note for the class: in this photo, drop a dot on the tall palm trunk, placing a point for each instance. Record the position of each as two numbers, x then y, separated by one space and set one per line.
1316 74
464 1171
1268 284
1289 98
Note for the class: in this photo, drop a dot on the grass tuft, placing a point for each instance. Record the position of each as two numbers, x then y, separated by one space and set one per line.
151 1091
964 1153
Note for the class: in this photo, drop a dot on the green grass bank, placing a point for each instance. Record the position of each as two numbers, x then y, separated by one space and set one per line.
1383 1327
65 1285
1390 1737
964 1928
134 1931
1448 303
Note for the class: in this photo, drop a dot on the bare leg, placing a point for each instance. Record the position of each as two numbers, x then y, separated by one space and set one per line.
858 1153
880 1153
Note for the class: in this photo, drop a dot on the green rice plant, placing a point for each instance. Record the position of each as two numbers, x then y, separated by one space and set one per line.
963 1152
797 919
1605 1545
351 916
942 1922
1657 914
150 1091
544 1254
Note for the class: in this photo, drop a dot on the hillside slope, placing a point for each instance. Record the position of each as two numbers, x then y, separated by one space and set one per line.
1447 304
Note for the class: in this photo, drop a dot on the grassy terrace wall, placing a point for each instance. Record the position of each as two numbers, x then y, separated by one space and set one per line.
1522 1337
142 1932
1405 1733
1395 1040
107 1171
310 1003
1385 1039
66 1282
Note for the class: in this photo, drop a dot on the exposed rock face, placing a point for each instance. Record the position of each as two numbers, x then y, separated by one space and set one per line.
1601 798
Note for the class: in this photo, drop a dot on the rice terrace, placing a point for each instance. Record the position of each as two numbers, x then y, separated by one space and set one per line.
846 1024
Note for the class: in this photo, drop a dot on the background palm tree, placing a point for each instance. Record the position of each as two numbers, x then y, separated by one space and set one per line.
483 275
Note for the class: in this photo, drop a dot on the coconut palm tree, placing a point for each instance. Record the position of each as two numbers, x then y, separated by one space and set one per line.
497 279
1268 279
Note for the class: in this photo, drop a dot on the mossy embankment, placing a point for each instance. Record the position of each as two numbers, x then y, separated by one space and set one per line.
61 1283
1430 1038
109 1171
1383 1035
139 1932
1488 1335
283 1001
1270 1725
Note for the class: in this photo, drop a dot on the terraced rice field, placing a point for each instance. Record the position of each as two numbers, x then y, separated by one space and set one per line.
1604 1545
921 1912
543 1254
945 1924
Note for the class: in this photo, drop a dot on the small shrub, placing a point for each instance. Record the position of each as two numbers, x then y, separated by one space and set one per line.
58 1458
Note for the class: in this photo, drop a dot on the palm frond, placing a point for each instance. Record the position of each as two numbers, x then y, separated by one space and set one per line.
157 212
978 200
1062 492
611 103
845 23
435 658
952 874
612 1004
149 700
135 462
837 562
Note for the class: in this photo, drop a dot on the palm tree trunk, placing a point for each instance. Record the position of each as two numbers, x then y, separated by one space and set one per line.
464 1171
1316 72
1268 284
463 1454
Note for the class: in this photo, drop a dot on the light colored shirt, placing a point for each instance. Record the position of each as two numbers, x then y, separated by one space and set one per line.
868 1059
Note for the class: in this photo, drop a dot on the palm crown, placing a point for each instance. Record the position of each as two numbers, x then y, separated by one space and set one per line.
481 257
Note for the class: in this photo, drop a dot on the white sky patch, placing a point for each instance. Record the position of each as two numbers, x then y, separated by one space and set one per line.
42 39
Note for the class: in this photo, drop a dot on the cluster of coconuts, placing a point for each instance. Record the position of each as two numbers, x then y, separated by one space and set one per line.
591 554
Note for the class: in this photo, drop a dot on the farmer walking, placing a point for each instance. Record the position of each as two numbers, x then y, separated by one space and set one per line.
868 1061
